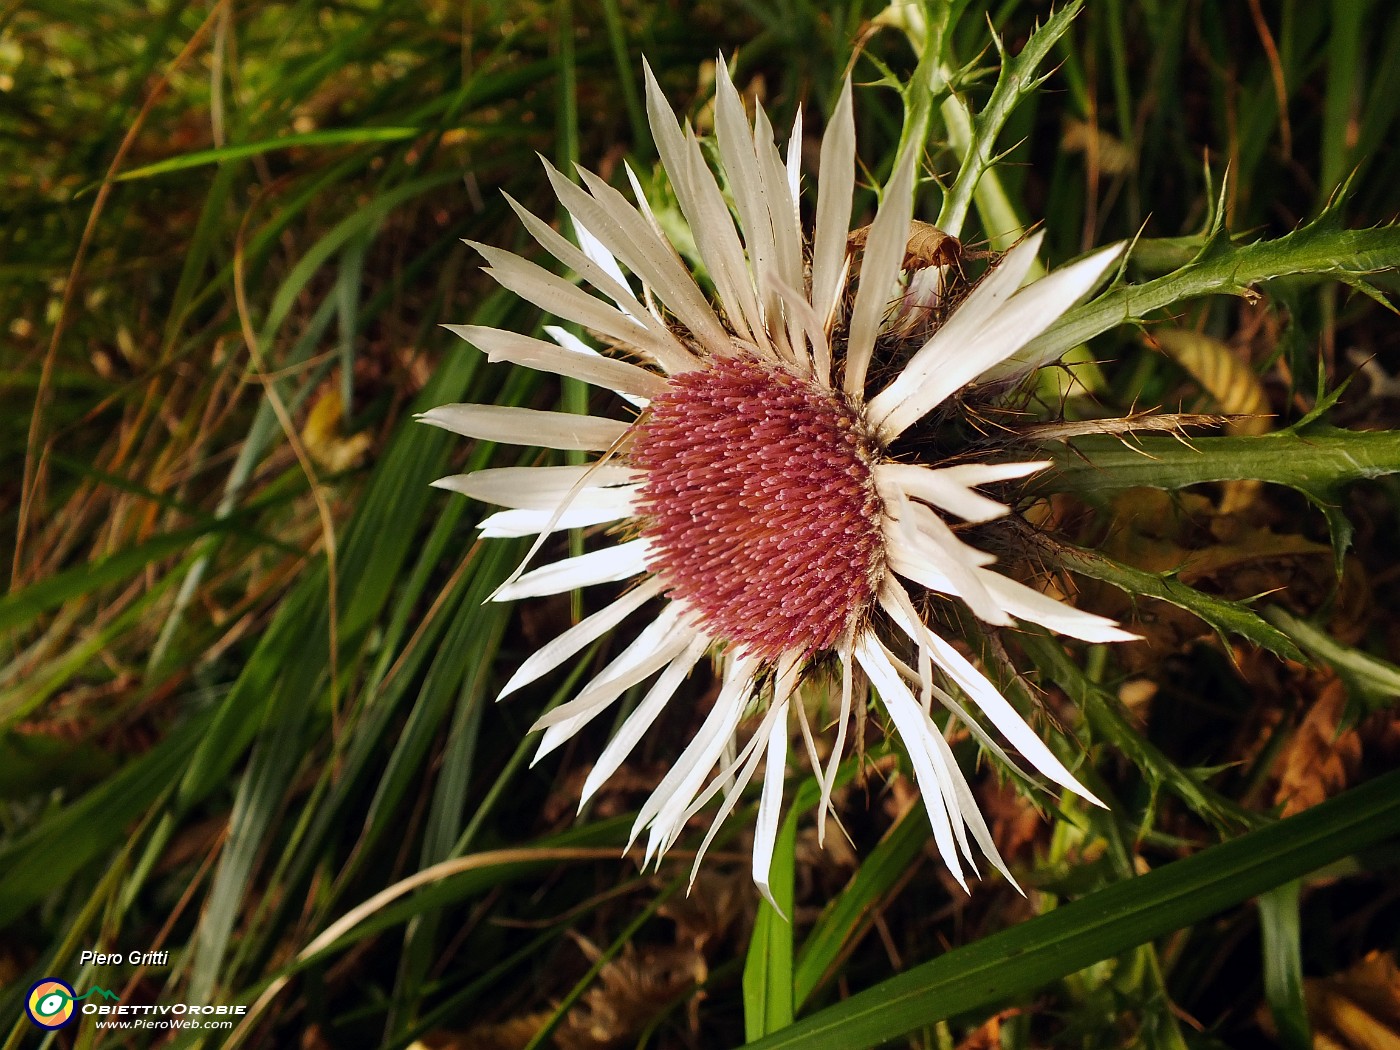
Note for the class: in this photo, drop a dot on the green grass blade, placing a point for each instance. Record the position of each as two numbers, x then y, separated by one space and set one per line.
1113 920
342 234
20 607
1344 78
243 150
1372 682
849 914
1283 965
768 987
72 837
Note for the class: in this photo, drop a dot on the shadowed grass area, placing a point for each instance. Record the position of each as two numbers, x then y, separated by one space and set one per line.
247 662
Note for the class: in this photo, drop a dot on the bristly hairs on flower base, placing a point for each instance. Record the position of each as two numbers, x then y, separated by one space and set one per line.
785 501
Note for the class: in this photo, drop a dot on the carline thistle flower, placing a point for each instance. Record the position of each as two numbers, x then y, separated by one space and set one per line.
761 482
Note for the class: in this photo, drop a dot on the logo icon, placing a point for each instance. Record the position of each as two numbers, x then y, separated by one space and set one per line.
50 1003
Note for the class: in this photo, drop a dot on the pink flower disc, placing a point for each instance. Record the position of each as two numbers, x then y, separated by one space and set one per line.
760 505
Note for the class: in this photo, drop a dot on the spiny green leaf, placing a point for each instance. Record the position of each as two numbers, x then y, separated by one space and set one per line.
1313 461
1018 78
1217 241
1328 499
1103 712
1224 268
1227 617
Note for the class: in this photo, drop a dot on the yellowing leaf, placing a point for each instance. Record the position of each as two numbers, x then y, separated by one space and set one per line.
327 445
1358 1009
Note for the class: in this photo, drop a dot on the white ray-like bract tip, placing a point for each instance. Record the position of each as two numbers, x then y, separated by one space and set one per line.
751 196
943 806
706 213
1027 603
594 263
835 187
659 642
511 524
596 251
951 488
547 498
607 372
618 501
924 679
1039 305
653 649
739 766
945 770
576 638
920 547
606 565
664 810
953 355
537 488
879 268
794 167
631 239
527 426
630 733
982 692
843 717
572 343
770 803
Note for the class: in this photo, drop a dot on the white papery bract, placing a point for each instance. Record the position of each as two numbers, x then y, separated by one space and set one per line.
770 515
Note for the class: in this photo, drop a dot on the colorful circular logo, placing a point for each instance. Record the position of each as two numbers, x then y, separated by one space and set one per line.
50 1003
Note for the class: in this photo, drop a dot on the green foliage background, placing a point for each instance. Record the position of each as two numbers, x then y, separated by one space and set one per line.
246 671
